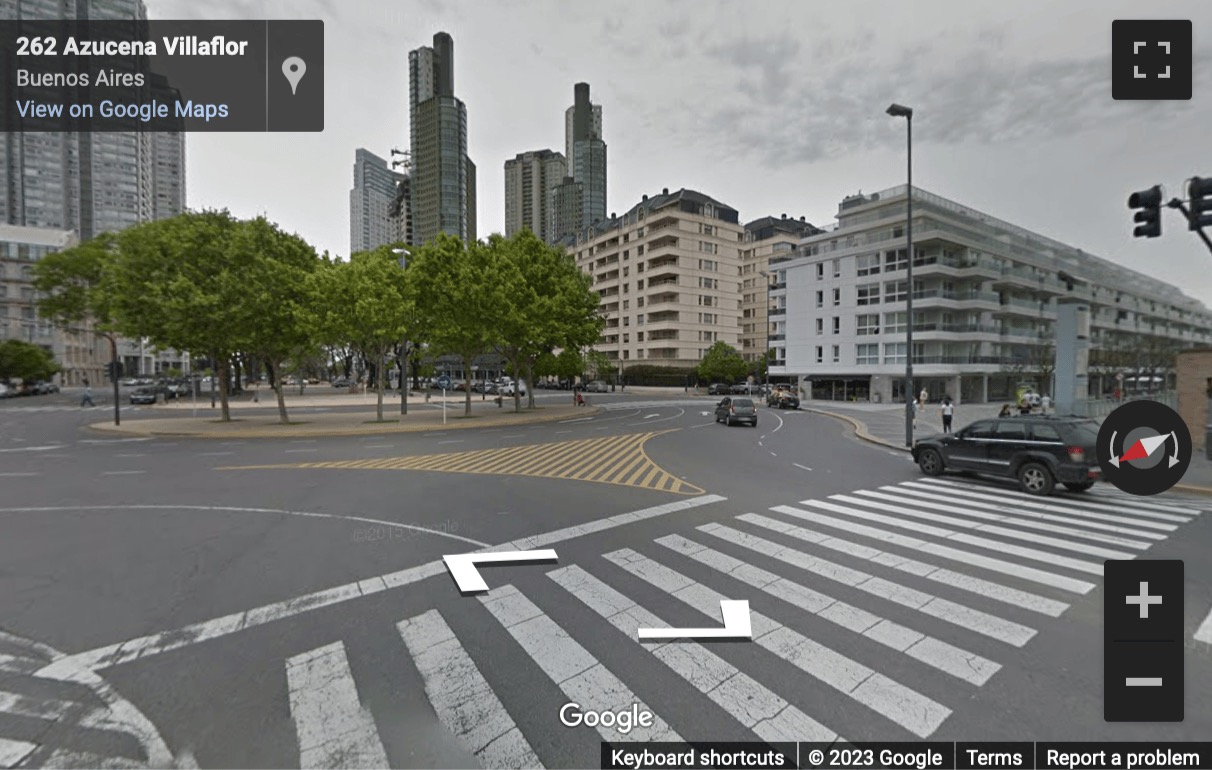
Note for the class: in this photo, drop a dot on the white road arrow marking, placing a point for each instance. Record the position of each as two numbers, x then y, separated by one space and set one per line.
462 566
650 416
737 625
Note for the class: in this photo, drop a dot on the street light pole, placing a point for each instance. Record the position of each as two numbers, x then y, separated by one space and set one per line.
766 343
404 348
898 111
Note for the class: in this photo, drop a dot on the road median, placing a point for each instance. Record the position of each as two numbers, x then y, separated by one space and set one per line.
335 424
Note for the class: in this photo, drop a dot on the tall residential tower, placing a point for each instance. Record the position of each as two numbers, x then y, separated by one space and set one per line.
372 202
586 156
530 179
443 178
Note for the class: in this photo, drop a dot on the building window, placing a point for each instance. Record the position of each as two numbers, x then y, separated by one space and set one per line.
837 325
705 301
837 268
820 354
867 264
709 265
867 354
820 299
837 297
820 326
706 247
639 250
896 291
639 301
707 318
708 230
896 259
820 270
626 304
639 336
894 352
868 324
894 322
709 283
868 294
639 320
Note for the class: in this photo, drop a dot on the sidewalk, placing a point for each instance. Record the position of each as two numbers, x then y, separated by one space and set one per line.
884 424
362 422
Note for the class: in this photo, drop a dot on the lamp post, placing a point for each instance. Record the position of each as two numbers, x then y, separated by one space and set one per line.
406 353
898 111
766 344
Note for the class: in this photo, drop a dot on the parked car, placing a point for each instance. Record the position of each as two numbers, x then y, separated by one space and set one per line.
736 410
342 382
143 396
508 388
5 390
597 386
783 399
718 389
1037 450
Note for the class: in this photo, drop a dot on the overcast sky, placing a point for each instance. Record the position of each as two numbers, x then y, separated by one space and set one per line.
772 107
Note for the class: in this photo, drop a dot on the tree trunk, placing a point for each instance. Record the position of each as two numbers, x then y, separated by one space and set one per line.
272 370
530 384
466 386
223 372
380 376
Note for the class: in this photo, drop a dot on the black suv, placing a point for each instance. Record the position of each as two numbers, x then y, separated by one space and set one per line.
1038 450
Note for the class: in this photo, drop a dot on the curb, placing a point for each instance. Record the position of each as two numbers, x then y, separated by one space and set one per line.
860 429
369 430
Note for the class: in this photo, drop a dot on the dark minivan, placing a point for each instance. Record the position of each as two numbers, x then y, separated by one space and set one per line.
1039 451
734 410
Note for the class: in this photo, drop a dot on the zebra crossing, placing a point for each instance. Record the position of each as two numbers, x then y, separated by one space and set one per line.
985 587
876 612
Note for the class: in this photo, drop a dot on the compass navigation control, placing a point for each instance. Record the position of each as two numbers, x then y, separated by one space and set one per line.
1144 447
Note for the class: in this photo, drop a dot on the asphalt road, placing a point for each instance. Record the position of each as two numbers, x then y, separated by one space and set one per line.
264 603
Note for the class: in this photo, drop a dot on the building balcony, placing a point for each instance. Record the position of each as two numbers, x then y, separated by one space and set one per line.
777 337
955 328
778 311
663 316
663 299
670 281
663 335
778 286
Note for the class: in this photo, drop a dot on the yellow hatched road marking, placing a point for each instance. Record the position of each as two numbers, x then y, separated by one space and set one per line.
619 460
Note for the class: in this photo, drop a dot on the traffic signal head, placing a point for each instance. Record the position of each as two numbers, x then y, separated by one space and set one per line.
1199 190
113 370
1148 218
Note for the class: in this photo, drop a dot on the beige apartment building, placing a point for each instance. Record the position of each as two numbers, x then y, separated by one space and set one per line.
765 239
668 274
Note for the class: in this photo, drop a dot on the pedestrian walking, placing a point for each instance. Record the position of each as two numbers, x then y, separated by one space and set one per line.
1044 403
948 410
87 399
1005 411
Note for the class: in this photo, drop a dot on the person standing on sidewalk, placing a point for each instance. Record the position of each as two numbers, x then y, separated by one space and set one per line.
1044 403
87 399
948 411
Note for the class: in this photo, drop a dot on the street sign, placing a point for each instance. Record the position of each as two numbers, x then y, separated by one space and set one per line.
444 382
1120 376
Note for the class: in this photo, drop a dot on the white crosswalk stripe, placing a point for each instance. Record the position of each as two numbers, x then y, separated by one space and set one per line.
463 700
333 728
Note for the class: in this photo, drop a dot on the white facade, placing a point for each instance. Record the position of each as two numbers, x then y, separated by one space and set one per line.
984 305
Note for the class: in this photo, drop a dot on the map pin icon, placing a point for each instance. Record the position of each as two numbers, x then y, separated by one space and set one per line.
294 68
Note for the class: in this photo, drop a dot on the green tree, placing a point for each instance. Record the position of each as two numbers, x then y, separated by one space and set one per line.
77 292
541 303
25 361
451 285
366 302
722 364
179 282
272 314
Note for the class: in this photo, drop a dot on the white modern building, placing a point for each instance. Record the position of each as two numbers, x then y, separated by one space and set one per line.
765 238
668 275
984 302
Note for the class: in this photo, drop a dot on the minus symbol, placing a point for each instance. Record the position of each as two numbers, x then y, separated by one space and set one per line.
1143 681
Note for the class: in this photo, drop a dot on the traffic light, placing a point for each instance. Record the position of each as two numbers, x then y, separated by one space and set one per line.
1200 192
1149 216
113 370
